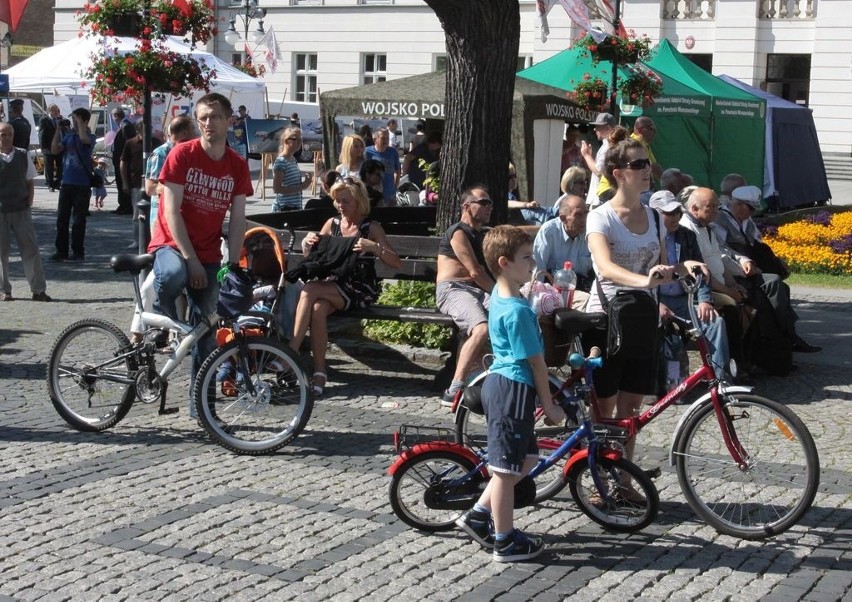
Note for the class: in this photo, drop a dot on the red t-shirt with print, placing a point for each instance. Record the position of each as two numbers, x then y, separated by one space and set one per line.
208 188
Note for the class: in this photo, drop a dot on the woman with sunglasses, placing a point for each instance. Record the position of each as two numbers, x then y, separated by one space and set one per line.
288 182
625 241
351 156
359 288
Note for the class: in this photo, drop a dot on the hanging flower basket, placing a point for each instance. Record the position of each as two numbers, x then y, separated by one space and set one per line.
123 78
194 19
622 50
250 69
640 87
590 93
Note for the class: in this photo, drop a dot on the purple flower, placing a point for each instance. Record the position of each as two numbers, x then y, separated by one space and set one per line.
842 245
823 218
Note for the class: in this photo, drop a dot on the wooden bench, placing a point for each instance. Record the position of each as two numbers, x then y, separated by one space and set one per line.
418 254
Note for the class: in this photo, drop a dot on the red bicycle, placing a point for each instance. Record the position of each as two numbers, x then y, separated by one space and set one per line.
747 465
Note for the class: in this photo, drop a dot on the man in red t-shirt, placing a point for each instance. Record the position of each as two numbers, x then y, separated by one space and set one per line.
202 181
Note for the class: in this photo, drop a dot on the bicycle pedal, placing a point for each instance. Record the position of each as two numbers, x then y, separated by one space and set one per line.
653 473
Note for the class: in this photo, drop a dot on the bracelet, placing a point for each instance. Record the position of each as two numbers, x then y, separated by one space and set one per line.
381 251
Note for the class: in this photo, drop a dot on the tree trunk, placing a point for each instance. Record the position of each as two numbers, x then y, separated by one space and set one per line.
482 56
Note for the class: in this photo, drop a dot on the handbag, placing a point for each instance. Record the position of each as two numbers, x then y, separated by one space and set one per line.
632 318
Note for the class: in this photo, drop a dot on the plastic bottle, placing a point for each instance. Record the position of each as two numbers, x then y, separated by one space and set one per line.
565 281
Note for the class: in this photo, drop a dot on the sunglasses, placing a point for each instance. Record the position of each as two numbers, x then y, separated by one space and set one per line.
292 139
638 164
486 202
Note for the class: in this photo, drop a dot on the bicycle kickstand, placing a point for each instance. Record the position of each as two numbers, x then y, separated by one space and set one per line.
163 409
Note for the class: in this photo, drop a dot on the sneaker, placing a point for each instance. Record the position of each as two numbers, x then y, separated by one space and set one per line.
42 296
800 345
517 547
447 399
75 257
58 257
479 526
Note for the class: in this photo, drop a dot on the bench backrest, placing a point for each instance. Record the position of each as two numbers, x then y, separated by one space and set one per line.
411 221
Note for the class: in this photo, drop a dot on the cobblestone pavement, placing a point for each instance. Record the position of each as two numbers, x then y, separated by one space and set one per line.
152 510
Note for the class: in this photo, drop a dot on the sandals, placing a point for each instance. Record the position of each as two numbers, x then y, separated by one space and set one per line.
318 383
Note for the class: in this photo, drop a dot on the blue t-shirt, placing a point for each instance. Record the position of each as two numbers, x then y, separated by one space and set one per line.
515 336
390 159
74 172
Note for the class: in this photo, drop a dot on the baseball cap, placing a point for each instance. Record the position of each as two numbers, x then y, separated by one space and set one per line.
750 195
604 119
664 202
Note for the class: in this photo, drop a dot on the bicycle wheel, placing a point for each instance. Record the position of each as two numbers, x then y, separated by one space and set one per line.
618 513
429 491
90 385
472 429
777 487
257 421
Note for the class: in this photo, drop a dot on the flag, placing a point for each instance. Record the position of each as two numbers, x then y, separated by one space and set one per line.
542 7
11 12
249 60
608 13
578 13
272 54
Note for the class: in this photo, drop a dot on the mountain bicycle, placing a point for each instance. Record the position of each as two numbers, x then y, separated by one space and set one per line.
435 479
746 465
95 374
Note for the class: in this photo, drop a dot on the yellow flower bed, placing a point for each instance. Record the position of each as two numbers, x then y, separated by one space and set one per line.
805 245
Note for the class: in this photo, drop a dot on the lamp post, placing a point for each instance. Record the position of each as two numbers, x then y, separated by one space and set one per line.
616 22
249 11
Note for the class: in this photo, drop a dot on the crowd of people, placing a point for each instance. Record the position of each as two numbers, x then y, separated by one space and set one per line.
621 220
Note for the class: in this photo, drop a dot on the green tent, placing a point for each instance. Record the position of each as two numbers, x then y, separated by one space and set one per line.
705 127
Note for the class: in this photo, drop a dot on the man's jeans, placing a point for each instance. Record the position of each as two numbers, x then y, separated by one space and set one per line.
714 331
72 209
170 280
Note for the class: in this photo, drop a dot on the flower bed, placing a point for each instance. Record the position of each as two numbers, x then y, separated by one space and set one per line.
821 244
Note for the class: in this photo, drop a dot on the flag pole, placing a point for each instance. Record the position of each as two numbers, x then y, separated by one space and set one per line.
616 22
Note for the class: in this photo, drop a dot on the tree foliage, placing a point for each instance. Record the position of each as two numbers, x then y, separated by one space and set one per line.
482 38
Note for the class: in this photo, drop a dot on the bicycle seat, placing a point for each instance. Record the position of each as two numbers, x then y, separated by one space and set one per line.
577 322
131 263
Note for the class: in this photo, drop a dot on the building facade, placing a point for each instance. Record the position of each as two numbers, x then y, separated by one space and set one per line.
798 49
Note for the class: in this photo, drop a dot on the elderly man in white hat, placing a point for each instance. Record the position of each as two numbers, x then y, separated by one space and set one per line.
740 239
681 247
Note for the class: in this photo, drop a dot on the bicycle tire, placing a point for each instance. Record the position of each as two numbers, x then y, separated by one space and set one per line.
619 514
82 374
471 429
418 482
259 423
768 497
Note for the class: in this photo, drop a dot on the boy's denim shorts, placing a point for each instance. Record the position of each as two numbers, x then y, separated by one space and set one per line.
510 409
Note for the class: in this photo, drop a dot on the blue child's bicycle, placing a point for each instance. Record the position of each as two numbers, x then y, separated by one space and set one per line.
435 480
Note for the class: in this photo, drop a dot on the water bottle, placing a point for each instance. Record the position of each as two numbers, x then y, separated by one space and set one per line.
565 281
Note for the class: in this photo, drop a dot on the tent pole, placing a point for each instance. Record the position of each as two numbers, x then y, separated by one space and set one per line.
616 21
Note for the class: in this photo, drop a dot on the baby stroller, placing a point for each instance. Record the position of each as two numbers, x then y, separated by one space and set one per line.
408 195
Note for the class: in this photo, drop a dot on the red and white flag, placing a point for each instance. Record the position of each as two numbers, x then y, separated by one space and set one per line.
272 54
576 9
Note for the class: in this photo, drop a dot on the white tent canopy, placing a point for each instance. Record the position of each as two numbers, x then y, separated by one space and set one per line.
58 69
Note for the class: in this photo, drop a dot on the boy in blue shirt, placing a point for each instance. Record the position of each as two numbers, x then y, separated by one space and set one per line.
517 376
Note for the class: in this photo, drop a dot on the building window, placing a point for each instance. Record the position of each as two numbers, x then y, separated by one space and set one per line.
306 78
376 2
236 58
299 2
374 68
439 62
524 62
703 60
789 76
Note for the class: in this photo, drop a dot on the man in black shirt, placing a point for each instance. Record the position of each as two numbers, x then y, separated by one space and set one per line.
19 123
